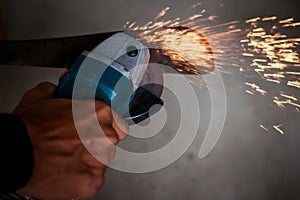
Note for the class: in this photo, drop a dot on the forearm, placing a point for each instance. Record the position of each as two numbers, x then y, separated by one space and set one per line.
17 158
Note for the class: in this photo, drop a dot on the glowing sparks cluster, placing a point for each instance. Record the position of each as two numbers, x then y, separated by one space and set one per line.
273 53
186 47
274 57
255 89
262 50
286 99
187 42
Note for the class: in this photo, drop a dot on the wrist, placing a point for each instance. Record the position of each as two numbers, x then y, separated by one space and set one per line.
16 153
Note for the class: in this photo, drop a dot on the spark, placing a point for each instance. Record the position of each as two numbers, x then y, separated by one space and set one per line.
293 104
162 13
294 84
195 17
289 100
235 31
277 128
259 60
248 54
289 97
256 88
293 73
280 104
253 20
269 18
272 80
244 41
286 21
292 25
263 127
278 76
250 92
197 5
131 25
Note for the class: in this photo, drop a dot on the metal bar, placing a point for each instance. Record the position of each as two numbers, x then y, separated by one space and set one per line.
54 52
62 52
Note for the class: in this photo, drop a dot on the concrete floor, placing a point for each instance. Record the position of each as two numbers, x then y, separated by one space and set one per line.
246 164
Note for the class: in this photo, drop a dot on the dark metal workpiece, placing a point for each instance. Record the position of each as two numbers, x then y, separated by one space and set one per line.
62 52
54 52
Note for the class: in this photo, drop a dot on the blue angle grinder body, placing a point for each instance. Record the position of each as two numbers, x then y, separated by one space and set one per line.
117 73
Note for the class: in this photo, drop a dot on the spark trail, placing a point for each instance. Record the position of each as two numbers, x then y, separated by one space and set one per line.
256 47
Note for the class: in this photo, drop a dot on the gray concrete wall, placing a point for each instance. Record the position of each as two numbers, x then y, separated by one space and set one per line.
246 164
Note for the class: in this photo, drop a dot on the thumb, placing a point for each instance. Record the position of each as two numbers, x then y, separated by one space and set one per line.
41 91
46 87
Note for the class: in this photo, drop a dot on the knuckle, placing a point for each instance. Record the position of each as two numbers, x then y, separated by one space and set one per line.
41 84
98 184
108 155
90 187
113 138
100 105
46 87
104 113
102 151
29 93
121 128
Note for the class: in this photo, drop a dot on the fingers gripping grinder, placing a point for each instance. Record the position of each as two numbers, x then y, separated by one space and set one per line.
117 73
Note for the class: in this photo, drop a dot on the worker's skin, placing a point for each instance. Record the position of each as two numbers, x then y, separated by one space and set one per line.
63 168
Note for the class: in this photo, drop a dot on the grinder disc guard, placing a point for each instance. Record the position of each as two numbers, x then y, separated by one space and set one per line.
146 99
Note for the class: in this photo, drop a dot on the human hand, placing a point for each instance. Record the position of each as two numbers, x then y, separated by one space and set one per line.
63 167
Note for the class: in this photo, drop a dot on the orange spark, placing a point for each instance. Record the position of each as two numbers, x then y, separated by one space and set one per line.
248 54
263 127
289 97
269 18
253 20
294 84
293 24
286 21
162 13
277 128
